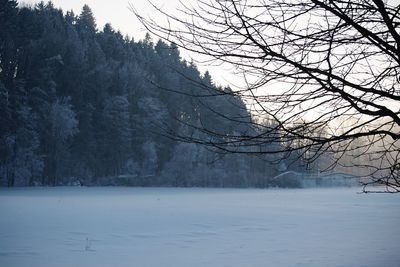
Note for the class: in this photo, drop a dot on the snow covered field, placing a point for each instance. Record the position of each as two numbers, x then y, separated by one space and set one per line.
113 227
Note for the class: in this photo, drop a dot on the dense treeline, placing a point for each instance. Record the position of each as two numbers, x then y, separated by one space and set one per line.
80 104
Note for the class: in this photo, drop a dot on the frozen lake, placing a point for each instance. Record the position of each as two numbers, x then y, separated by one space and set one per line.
149 227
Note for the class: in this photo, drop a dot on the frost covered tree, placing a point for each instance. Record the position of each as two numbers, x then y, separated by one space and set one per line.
62 127
22 164
116 134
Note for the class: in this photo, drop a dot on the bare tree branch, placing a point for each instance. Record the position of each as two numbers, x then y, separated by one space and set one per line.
326 73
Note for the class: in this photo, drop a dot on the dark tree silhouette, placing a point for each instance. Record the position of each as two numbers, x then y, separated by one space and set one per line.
325 73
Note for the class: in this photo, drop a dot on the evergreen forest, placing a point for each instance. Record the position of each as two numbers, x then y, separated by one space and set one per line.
88 106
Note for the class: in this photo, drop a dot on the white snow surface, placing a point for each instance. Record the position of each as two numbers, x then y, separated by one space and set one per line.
118 227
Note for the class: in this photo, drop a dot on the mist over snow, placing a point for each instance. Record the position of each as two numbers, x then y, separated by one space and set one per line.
95 227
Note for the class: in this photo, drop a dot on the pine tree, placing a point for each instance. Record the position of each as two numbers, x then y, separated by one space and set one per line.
62 127
86 22
8 41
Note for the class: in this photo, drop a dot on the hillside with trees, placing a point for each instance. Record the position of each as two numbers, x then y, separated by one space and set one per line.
94 107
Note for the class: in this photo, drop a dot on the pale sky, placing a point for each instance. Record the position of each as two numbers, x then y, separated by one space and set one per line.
115 12
121 18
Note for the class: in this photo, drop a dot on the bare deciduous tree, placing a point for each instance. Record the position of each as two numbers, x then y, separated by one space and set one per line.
327 73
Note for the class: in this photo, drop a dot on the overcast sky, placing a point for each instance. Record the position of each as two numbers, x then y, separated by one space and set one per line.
116 12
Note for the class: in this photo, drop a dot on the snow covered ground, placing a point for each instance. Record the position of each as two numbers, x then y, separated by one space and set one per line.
118 227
